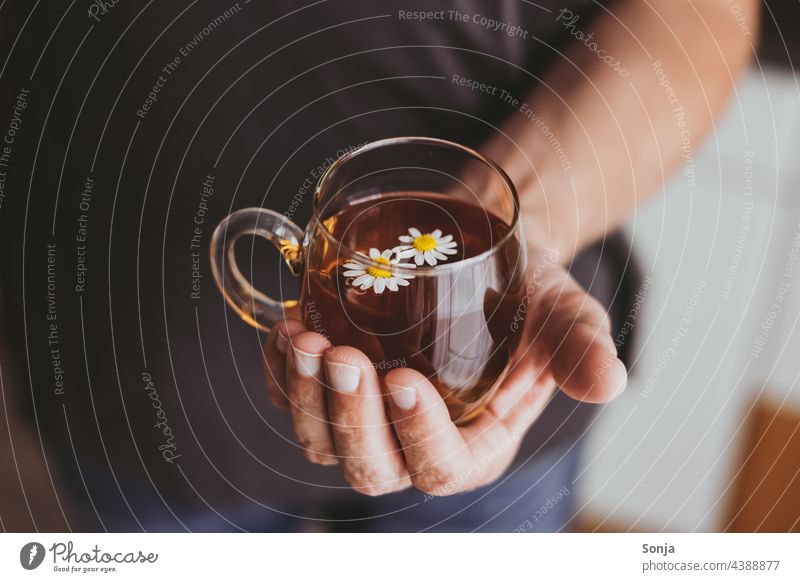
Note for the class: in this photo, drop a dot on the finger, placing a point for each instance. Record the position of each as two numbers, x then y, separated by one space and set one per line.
494 436
275 360
519 400
365 443
438 460
584 359
307 397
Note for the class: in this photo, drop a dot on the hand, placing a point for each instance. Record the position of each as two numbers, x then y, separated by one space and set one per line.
337 400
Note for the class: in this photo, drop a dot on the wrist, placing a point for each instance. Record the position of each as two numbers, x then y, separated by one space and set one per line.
546 233
548 203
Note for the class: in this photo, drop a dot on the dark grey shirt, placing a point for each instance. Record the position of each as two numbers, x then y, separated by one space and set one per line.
163 387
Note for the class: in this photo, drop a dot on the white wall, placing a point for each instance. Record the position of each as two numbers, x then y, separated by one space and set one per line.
663 455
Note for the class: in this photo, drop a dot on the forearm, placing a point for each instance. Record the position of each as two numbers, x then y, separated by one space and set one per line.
606 133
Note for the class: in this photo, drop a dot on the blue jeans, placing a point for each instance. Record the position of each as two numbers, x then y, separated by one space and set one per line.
535 496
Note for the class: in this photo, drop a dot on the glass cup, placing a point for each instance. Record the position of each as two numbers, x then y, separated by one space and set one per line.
414 254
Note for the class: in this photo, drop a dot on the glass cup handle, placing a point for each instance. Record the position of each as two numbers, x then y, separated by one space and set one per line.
251 304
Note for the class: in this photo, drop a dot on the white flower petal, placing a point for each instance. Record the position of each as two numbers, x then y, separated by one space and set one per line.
380 285
447 245
362 279
357 273
405 253
391 284
439 256
429 258
353 266
400 281
419 258
403 276
387 253
436 233
406 265
406 239
445 239
360 254
374 253
368 283
448 251
414 232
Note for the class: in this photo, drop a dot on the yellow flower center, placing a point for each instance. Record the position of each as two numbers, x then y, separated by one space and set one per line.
380 273
424 243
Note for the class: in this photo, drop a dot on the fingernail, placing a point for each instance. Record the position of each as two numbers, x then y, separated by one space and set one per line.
404 397
308 365
343 378
623 383
281 342
611 345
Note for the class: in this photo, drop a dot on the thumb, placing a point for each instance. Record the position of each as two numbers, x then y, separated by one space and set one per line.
576 332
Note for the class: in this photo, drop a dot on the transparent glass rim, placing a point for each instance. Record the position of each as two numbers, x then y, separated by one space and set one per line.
424 270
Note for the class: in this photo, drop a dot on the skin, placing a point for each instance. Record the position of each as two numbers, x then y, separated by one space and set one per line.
622 139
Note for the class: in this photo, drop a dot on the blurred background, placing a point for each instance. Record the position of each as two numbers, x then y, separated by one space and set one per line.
707 436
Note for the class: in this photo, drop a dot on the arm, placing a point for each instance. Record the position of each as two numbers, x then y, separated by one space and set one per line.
621 126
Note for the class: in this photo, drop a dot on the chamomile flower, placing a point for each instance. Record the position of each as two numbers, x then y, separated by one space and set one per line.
426 248
378 278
